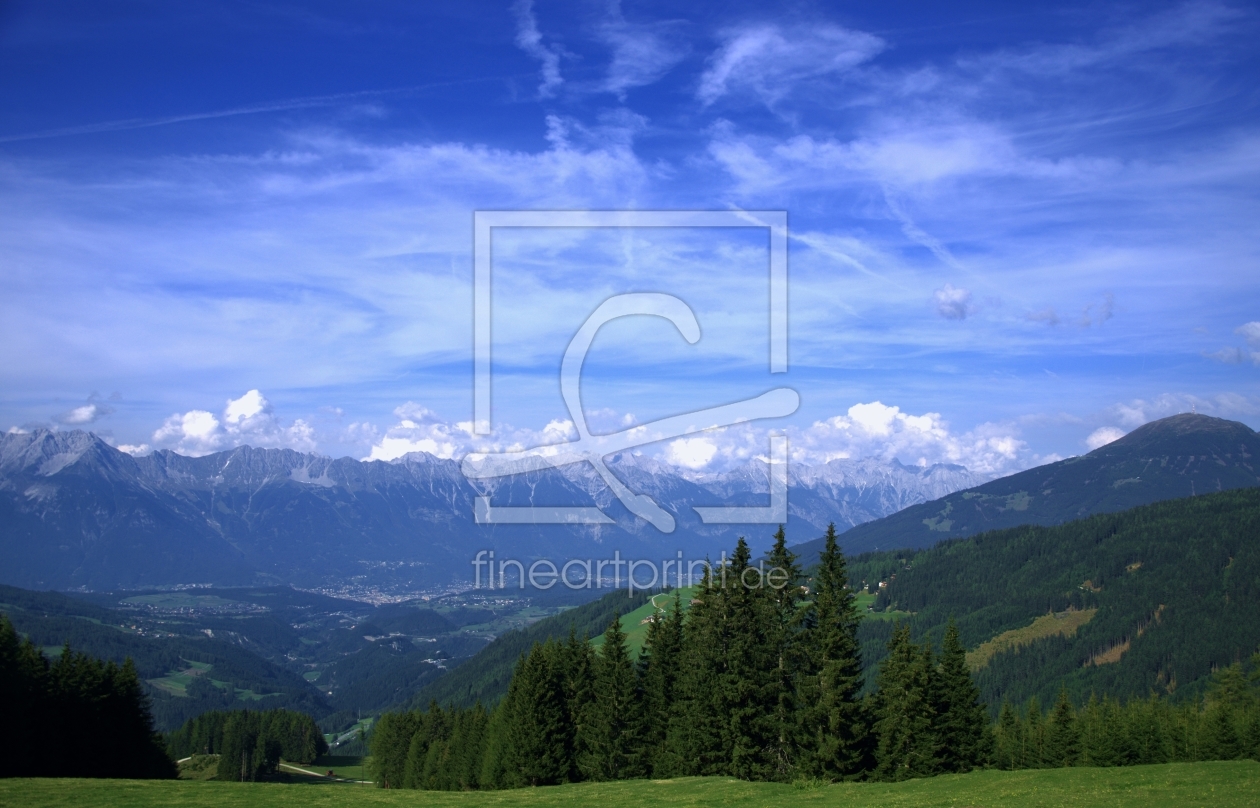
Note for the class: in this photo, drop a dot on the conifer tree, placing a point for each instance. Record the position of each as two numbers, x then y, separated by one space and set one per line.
539 749
906 744
1034 736
783 588
659 663
391 745
747 687
1063 738
962 722
1009 739
836 732
695 737
23 673
611 744
578 660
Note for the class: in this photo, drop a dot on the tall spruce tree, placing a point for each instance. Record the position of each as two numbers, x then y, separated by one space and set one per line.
1009 733
611 746
578 660
962 722
660 666
747 687
539 748
1034 736
835 729
783 588
1063 736
906 743
695 741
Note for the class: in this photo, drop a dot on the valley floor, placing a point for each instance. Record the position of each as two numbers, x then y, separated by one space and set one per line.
1220 784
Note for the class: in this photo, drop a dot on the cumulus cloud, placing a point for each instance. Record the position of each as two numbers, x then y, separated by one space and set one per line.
866 430
769 60
529 39
135 449
952 303
691 453
1102 436
878 430
87 414
419 429
248 420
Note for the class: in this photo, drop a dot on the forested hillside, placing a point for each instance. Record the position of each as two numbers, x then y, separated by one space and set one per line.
1163 595
218 674
74 717
484 678
1180 456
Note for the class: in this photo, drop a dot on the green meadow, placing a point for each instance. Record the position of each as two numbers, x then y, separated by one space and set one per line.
1219 784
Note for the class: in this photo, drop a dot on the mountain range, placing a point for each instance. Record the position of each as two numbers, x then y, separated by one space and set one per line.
1179 456
75 513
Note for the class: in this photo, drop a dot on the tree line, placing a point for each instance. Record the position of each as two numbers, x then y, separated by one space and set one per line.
75 716
1222 725
760 678
250 744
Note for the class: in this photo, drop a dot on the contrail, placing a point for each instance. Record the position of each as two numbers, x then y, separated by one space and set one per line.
249 109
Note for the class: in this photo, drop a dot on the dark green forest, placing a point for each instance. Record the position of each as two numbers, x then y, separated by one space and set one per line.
74 717
762 680
1176 585
792 683
250 744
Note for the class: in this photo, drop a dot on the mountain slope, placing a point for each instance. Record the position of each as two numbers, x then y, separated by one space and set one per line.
226 676
1180 456
484 678
1163 595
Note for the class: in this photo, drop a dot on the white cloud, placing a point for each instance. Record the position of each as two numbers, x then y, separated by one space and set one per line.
135 450
871 429
1102 436
420 430
1251 333
691 453
529 39
248 420
86 414
953 304
768 60
877 430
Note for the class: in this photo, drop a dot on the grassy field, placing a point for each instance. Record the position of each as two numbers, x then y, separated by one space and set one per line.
1221 785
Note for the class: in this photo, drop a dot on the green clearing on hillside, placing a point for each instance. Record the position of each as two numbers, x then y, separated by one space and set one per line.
635 624
1048 625
1220 784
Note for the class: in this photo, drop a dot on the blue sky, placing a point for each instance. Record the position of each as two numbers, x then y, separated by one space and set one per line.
1015 233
